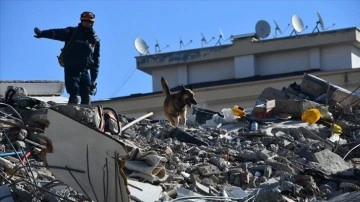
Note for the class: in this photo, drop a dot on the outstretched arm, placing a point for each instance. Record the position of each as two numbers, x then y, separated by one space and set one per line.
56 34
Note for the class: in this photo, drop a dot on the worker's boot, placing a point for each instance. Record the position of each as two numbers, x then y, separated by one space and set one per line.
73 99
86 100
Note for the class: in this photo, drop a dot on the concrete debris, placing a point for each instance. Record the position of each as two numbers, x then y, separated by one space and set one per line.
140 191
149 163
56 152
331 163
325 92
85 159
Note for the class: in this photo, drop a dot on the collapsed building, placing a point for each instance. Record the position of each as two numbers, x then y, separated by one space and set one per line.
58 152
271 125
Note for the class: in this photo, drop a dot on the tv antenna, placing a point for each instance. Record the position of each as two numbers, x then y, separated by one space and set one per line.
297 25
321 23
141 46
203 40
182 43
262 29
277 29
157 47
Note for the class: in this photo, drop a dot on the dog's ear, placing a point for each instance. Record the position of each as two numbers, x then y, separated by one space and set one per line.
183 87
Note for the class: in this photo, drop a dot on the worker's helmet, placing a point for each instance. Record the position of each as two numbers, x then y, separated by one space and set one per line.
87 15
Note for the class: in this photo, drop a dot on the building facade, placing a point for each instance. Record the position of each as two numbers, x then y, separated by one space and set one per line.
235 74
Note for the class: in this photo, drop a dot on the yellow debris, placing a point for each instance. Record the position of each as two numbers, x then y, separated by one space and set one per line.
336 128
311 116
238 111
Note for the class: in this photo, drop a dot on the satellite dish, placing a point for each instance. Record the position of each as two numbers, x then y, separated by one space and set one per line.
221 34
297 24
221 37
262 29
321 23
141 46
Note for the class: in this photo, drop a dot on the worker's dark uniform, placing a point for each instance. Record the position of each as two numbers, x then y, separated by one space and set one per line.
82 54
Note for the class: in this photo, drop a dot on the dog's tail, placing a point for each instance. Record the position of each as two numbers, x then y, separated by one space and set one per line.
165 86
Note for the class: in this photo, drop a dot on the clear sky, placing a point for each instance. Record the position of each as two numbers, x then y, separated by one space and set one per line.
119 23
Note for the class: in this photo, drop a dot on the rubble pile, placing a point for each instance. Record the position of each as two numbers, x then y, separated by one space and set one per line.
300 143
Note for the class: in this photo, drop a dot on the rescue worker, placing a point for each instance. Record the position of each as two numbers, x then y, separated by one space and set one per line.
81 55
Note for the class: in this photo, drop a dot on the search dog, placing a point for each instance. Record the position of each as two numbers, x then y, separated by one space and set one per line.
175 104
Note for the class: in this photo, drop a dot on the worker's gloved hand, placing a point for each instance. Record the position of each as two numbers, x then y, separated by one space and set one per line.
93 88
37 32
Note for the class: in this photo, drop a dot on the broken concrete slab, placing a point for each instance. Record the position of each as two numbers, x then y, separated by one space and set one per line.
236 192
270 93
86 159
348 196
182 192
202 189
145 192
316 87
281 166
330 162
148 163
295 107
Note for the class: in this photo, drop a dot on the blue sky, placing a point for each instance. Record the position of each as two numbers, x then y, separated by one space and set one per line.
119 23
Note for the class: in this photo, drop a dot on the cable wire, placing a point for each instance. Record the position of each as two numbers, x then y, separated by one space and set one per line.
116 91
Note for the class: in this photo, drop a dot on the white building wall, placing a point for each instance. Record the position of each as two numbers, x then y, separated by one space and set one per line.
325 58
171 75
335 58
282 62
211 71
355 58
314 58
244 66
182 75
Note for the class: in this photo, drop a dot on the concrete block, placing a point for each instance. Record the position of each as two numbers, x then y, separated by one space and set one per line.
272 93
315 87
294 107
